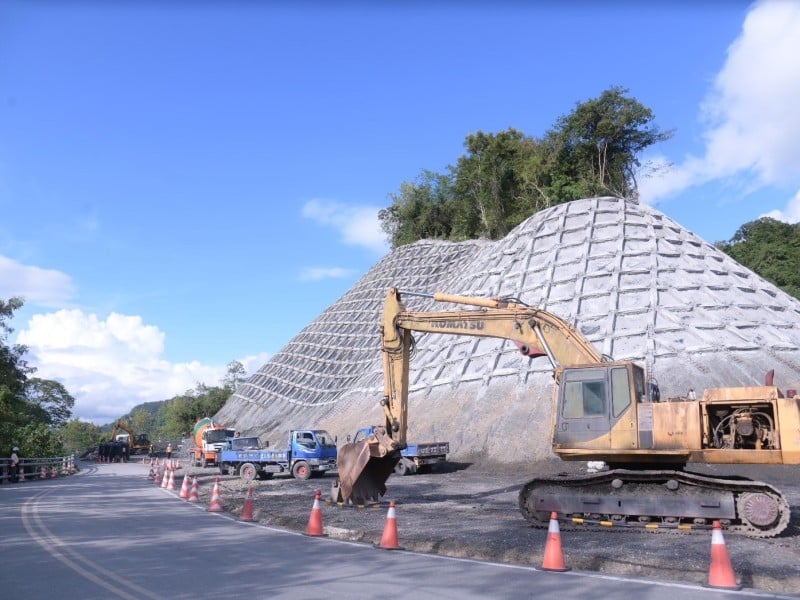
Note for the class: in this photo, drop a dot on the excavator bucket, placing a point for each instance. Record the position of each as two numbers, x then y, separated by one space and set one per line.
362 475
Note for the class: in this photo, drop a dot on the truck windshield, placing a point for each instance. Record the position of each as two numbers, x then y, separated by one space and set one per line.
218 435
325 439
245 443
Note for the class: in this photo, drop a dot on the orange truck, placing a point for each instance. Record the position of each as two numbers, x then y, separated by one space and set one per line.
209 438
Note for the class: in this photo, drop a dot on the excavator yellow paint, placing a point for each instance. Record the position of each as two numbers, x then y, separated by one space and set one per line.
603 410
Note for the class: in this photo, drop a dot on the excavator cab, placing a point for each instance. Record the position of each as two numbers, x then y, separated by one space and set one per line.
597 407
364 467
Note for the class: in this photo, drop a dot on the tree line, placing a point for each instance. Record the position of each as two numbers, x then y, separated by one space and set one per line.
503 178
770 248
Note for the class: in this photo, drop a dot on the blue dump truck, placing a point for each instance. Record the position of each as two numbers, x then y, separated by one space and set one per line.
415 458
310 452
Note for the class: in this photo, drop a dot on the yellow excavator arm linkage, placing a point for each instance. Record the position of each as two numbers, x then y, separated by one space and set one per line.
364 467
535 332
121 425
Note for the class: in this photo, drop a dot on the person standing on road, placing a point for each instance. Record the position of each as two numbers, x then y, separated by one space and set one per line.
169 450
14 465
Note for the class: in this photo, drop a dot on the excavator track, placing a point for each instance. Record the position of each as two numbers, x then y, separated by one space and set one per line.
655 500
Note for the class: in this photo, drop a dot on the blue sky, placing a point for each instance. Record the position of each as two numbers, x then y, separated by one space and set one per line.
183 184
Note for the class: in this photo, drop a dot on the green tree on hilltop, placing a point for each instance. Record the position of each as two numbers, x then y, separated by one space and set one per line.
506 177
770 248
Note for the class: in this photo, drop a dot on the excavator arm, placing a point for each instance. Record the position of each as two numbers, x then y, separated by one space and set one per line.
364 467
139 442
121 425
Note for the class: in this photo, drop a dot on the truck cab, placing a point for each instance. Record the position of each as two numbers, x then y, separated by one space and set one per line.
310 452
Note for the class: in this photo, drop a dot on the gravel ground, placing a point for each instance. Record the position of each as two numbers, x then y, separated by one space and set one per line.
470 511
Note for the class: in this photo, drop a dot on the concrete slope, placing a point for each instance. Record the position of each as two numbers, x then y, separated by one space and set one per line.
637 284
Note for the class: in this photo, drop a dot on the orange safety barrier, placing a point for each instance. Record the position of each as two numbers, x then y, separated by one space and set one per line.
216 502
247 509
389 538
553 553
194 496
720 573
315 520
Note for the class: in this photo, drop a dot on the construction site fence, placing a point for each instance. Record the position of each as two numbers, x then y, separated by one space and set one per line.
38 468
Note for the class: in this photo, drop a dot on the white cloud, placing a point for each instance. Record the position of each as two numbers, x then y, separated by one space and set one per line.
254 362
358 225
109 365
319 273
791 214
45 287
752 135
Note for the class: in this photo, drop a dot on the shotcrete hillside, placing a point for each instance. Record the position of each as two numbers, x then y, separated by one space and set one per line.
637 284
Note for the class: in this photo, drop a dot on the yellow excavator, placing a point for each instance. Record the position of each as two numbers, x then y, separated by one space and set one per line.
603 410
139 444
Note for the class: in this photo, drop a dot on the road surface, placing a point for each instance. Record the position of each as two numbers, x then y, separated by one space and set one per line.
108 532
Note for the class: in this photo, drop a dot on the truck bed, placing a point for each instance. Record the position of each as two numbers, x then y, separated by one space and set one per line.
256 456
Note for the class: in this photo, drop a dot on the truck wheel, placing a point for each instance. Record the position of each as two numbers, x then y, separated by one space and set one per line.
248 472
301 470
223 469
404 467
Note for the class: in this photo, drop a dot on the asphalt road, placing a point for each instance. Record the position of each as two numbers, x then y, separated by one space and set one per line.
110 533
470 511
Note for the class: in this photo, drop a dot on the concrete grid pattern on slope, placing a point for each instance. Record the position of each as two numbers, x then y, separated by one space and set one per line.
637 285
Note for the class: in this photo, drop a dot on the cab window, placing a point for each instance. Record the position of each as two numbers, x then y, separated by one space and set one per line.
584 394
620 390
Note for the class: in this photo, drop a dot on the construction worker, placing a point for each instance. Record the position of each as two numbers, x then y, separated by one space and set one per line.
169 450
13 474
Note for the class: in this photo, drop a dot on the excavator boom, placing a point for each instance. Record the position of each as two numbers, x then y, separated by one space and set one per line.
364 467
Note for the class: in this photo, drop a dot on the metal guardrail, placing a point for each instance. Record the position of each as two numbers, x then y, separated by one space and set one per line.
38 468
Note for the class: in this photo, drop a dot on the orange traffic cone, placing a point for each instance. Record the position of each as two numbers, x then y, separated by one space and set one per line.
247 509
315 520
22 473
389 537
184 487
720 574
194 496
553 555
171 481
165 479
43 473
157 476
216 503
